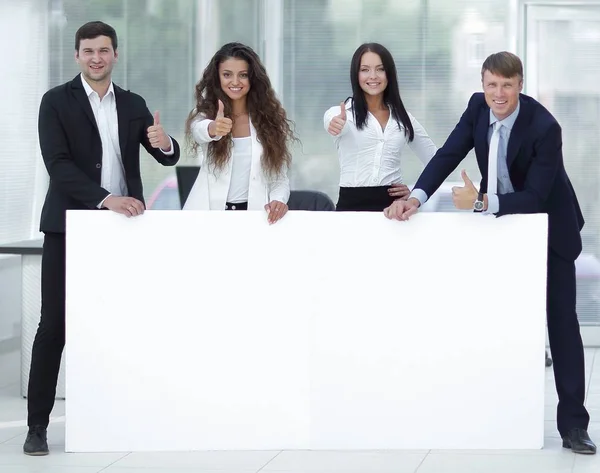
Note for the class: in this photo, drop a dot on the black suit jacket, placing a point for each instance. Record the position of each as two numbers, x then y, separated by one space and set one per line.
72 149
535 163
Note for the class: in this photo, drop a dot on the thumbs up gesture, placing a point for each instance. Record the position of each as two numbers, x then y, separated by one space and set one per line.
464 197
157 136
221 125
337 123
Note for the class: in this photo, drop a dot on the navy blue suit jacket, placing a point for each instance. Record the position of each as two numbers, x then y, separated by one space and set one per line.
535 163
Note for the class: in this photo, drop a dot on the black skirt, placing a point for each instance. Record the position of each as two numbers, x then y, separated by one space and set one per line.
364 199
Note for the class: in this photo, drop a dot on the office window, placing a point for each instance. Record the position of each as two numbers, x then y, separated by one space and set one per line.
432 44
24 80
561 71
156 56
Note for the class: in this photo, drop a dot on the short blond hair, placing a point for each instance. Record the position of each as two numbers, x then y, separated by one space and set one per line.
503 64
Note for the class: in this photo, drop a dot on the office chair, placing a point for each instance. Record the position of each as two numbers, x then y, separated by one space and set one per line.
310 200
186 176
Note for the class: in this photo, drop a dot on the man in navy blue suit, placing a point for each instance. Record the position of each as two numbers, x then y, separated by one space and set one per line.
518 146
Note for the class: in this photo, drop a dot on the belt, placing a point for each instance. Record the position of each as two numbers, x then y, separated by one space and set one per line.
236 206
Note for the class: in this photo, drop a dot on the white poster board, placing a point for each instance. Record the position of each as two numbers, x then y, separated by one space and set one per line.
215 330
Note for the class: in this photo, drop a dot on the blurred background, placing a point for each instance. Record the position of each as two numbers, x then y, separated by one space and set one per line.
306 45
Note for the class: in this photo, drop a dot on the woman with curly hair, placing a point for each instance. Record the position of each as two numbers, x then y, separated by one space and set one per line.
241 133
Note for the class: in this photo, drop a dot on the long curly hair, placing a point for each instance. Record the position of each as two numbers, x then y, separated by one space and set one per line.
274 130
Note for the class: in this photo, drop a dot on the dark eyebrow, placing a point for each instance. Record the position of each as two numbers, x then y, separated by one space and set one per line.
365 65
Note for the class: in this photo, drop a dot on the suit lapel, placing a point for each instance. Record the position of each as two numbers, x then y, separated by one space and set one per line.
481 143
258 194
121 98
517 134
83 100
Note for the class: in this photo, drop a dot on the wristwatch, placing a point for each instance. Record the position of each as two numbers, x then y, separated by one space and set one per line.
478 204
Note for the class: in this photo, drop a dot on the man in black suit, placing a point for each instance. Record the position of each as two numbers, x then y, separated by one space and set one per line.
518 146
90 132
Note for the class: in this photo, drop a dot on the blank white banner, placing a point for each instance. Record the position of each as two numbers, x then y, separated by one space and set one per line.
215 330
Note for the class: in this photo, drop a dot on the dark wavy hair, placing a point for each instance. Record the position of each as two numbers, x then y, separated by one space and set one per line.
274 130
391 94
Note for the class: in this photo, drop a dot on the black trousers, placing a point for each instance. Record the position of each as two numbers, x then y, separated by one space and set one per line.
566 344
50 337
364 199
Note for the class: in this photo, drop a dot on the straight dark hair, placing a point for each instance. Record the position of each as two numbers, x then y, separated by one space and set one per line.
391 94
92 30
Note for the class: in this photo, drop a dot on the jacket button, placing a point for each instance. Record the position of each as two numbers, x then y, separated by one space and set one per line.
98 166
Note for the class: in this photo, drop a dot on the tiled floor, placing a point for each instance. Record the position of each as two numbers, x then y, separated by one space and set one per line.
552 459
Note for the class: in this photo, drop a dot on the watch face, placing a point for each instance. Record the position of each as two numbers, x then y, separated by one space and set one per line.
478 205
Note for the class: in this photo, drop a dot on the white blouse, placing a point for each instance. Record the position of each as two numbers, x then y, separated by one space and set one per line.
241 162
372 156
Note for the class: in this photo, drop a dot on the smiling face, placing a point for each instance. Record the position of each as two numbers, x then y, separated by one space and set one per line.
501 93
234 77
371 74
96 58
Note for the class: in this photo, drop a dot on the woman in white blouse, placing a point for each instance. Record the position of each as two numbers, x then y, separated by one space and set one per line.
241 133
371 130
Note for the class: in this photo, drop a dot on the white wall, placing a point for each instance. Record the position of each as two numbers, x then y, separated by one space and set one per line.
10 298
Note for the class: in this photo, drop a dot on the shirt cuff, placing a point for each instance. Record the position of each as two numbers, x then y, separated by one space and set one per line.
420 195
171 151
493 204
103 200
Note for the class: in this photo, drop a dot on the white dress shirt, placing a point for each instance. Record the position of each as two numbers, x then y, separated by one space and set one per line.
241 162
504 185
372 156
105 112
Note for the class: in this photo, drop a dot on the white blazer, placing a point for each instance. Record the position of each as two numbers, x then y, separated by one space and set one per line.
211 188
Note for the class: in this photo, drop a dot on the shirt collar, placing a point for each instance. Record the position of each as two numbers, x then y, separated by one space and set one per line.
509 121
89 91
